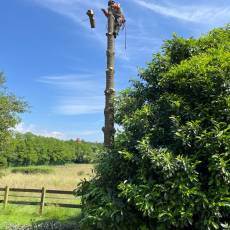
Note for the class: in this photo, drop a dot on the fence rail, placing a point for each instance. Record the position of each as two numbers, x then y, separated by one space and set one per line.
7 194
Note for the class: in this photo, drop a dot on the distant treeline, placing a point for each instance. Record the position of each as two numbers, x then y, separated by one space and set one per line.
29 149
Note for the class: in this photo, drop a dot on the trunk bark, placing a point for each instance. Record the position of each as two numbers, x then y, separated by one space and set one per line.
108 129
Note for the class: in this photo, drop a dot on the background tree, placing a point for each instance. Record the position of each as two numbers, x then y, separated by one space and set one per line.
10 107
170 167
29 149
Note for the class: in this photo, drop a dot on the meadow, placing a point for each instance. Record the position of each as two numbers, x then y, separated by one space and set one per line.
64 177
52 177
15 215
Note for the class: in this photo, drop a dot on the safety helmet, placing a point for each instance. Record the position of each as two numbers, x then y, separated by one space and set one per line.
116 6
111 3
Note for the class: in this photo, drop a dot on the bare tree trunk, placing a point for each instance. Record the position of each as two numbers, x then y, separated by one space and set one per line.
109 91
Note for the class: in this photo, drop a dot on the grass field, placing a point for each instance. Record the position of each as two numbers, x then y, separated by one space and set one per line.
60 177
26 215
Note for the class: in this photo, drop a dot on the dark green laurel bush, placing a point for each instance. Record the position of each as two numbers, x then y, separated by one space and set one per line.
170 165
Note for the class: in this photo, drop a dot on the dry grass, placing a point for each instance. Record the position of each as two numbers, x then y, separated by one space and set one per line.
63 178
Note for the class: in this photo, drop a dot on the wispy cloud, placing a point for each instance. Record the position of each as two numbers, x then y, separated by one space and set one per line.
77 94
75 10
80 105
93 135
203 14
79 83
23 128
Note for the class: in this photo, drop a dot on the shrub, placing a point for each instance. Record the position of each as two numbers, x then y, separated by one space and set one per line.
3 162
32 170
169 168
80 173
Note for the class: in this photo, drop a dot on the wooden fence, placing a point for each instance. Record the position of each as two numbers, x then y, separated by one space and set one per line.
10 192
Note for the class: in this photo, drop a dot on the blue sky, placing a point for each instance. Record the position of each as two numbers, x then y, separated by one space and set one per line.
53 59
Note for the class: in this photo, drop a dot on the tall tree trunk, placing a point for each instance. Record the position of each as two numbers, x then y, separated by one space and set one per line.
109 91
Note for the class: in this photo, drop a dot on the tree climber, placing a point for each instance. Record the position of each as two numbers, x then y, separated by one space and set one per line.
118 16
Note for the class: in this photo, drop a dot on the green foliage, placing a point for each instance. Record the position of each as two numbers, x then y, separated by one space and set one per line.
10 107
32 170
169 167
29 149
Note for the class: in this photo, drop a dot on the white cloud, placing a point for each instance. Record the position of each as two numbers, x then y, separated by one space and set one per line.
74 82
203 14
140 40
91 135
80 105
76 11
77 94
23 128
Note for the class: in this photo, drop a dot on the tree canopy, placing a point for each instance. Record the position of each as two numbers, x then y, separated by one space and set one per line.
18 149
10 107
29 149
169 167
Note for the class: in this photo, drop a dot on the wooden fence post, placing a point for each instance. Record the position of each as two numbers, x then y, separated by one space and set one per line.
6 195
42 204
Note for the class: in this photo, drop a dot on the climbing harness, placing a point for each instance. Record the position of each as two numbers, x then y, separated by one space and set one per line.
118 16
119 19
